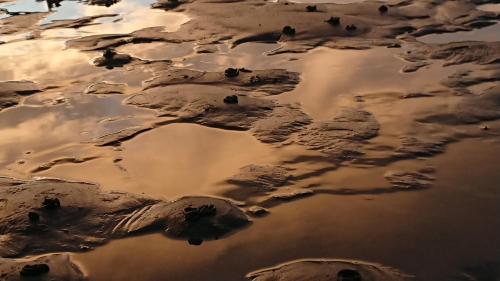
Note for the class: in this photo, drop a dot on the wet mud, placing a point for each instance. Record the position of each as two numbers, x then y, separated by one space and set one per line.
193 132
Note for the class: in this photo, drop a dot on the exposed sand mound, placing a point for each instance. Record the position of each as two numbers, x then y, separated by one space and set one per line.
59 161
122 135
470 110
457 53
272 81
11 92
55 215
17 23
281 124
326 270
342 135
106 88
47 267
412 147
409 179
261 177
460 80
204 105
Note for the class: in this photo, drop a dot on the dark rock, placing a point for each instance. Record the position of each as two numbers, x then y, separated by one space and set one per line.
351 27
232 72
51 204
334 21
195 241
109 53
349 275
110 59
34 269
288 31
312 8
195 214
383 9
34 217
231 99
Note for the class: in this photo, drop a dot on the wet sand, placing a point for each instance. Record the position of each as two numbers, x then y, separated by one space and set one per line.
203 140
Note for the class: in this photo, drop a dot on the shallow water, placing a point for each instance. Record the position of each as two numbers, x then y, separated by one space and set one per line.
333 226
434 233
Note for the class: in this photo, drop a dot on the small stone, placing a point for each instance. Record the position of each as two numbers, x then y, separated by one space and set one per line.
334 21
485 128
34 217
51 204
383 9
351 27
20 162
348 275
288 31
232 72
394 45
34 269
311 8
231 99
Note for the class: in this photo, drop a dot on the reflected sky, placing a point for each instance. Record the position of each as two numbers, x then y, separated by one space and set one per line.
334 77
175 160
38 59
77 120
